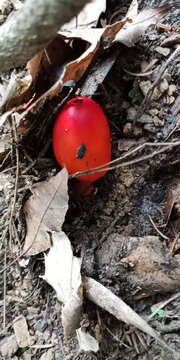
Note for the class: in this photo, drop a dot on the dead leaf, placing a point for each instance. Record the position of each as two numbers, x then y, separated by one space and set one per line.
14 92
56 54
74 70
62 272
126 31
88 16
136 27
33 65
87 342
45 211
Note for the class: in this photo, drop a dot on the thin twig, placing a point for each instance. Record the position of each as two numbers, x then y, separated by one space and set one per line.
115 337
105 167
139 74
4 278
104 298
174 297
173 246
158 231
16 181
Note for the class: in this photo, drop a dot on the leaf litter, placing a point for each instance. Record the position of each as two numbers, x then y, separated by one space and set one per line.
45 212
43 223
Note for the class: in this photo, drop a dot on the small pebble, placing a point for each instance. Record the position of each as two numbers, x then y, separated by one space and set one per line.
145 87
137 131
167 76
172 89
127 129
158 122
49 355
131 114
8 347
41 325
170 100
153 112
163 50
150 128
145 119
164 86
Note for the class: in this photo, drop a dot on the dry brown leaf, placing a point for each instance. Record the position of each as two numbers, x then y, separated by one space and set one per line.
62 272
56 53
45 211
126 31
33 65
15 92
74 70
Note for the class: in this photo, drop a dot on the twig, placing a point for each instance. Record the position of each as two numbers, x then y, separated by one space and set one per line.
158 231
16 181
105 167
173 246
142 74
174 297
104 298
4 279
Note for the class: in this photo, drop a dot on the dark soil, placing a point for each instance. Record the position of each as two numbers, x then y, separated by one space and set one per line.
120 227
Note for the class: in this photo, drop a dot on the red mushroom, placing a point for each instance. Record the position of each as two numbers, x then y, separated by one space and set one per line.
81 138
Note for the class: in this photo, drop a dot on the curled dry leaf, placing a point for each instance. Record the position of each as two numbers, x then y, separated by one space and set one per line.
126 31
45 211
75 69
88 16
62 272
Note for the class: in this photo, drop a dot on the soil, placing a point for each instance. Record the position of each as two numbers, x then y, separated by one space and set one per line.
127 230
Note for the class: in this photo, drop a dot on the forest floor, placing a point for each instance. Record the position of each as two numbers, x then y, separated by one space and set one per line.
128 228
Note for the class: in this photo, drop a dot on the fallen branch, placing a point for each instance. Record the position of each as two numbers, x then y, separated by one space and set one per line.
104 298
31 28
